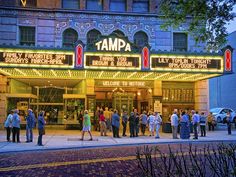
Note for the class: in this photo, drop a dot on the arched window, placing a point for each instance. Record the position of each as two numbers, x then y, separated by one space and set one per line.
70 36
92 36
141 39
118 33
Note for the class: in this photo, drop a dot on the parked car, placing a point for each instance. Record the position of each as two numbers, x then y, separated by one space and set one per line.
220 114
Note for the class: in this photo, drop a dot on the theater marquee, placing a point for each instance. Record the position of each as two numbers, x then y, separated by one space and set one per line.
36 58
187 63
112 61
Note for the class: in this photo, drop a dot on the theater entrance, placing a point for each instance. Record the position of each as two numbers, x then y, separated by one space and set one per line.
123 101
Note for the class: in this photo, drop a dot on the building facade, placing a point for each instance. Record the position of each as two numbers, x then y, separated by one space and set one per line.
224 86
63 56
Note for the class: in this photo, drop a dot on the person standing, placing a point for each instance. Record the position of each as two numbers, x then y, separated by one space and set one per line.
131 124
228 121
143 118
86 125
115 124
203 124
210 122
195 120
174 124
16 126
30 123
158 122
151 122
108 118
124 122
102 122
184 126
136 129
41 128
8 125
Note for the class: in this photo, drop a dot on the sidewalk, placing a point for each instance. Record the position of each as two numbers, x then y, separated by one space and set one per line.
62 139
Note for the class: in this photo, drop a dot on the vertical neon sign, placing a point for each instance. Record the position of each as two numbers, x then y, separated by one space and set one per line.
145 58
228 60
79 56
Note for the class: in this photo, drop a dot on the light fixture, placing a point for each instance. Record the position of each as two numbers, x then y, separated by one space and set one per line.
149 90
138 93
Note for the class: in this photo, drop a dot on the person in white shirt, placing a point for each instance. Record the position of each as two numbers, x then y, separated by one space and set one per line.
151 122
158 121
8 125
174 124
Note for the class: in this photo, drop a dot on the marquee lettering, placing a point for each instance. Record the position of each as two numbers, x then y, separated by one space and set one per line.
111 44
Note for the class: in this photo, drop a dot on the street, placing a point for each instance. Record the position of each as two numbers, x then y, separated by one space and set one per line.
111 161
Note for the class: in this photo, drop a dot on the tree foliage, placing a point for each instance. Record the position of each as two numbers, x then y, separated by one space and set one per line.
206 19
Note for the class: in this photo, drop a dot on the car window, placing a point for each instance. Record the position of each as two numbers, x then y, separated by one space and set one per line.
224 111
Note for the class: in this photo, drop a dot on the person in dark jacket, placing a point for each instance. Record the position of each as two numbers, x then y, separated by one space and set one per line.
41 127
30 123
131 124
228 121
16 126
136 129
124 122
115 124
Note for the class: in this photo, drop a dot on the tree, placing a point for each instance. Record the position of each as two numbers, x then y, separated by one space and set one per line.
206 19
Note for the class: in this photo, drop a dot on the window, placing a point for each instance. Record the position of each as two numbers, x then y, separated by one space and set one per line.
118 5
27 35
141 39
8 3
180 42
94 4
92 37
70 4
70 36
118 33
140 6
28 3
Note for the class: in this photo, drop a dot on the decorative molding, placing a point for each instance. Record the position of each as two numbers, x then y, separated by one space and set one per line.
83 27
151 30
106 28
59 27
27 21
129 28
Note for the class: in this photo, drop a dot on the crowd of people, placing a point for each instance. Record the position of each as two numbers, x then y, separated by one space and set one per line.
181 121
12 125
108 120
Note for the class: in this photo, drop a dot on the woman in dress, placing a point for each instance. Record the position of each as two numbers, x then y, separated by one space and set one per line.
184 126
86 125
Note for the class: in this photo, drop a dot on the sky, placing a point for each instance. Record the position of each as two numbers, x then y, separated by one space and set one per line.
232 25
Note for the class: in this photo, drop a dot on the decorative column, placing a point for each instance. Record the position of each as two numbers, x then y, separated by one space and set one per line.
201 96
3 98
157 96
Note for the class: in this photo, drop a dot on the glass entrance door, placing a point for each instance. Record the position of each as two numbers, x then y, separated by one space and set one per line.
123 101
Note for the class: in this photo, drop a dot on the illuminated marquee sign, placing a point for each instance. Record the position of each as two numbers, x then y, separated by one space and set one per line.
111 83
113 44
96 61
187 63
30 58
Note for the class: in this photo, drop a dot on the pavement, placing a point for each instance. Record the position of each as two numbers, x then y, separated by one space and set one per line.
69 139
